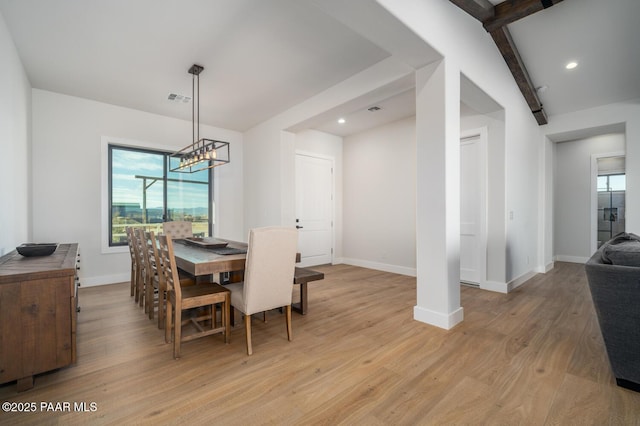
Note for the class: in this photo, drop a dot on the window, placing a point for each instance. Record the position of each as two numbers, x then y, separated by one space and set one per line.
611 183
144 193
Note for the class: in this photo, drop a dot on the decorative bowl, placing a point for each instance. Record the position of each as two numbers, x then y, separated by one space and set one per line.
36 249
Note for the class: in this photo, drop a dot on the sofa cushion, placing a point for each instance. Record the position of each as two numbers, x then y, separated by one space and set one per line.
623 249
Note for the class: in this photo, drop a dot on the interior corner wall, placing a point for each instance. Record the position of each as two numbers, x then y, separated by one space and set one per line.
15 146
67 173
472 48
263 156
380 198
572 212
270 146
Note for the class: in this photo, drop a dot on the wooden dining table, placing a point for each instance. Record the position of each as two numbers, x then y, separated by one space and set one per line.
201 258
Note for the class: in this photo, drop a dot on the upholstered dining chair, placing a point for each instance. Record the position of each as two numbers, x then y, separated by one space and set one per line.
134 266
268 275
178 229
181 298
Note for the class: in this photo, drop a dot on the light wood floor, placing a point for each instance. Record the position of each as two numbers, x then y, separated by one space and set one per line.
533 357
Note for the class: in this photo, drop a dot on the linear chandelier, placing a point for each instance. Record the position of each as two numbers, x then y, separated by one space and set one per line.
201 154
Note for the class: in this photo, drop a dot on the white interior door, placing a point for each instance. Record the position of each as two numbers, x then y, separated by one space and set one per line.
472 241
314 209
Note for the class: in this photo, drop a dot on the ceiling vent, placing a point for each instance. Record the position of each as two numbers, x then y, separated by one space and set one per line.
374 108
173 97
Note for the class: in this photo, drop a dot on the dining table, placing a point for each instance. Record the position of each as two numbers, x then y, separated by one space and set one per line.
207 256
203 257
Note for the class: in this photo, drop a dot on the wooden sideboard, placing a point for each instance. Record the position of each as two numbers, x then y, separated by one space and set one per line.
38 308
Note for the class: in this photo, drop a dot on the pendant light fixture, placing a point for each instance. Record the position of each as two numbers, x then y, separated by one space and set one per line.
201 154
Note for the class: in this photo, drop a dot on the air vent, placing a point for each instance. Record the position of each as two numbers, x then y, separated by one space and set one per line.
173 97
374 108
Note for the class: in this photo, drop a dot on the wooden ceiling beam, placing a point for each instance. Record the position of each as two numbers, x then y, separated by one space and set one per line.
512 10
482 10
495 20
504 42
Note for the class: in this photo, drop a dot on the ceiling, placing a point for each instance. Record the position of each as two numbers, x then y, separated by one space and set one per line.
262 57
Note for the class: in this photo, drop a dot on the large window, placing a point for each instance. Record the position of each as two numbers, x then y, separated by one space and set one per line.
144 193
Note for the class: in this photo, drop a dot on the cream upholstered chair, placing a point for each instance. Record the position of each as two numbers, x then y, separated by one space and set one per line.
268 275
184 298
178 229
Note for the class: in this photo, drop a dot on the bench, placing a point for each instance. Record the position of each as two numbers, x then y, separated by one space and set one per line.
301 277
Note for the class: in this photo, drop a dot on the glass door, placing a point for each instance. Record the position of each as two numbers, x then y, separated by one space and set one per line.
611 206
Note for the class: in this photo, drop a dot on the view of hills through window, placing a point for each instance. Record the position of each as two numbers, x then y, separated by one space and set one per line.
144 193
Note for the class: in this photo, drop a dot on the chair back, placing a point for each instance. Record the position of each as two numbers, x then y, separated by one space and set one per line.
130 241
168 266
178 229
151 254
143 257
269 268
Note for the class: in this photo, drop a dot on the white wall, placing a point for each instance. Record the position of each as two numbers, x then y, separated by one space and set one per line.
270 148
572 212
15 146
67 178
621 116
380 198
473 50
328 146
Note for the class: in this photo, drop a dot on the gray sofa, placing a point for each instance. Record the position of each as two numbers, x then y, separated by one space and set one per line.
613 273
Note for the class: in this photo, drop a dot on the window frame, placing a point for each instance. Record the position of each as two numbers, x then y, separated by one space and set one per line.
110 146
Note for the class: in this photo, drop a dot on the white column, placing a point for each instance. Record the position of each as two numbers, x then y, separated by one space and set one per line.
632 141
438 195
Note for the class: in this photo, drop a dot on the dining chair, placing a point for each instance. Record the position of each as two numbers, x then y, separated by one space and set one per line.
268 276
134 266
152 279
178 229
185 298
146 273
137 252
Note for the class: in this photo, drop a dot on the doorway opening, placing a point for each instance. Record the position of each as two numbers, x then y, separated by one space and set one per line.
611 190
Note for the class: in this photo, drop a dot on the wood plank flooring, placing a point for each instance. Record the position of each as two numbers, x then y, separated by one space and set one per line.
532 357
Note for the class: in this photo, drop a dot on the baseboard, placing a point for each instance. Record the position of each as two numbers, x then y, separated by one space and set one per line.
571 259
496 286
549 266
104 280
438 319
394 269
517 282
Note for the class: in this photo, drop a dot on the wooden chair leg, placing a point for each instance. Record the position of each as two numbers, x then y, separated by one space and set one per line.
150 302
161 306
167 324
247 327
133 281
177 333
226 311
214 316
288 319
141 291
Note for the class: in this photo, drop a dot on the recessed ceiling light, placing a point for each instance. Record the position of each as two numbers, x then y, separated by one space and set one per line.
571 65
341 120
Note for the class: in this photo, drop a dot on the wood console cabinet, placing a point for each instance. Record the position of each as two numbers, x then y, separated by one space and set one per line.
37 314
